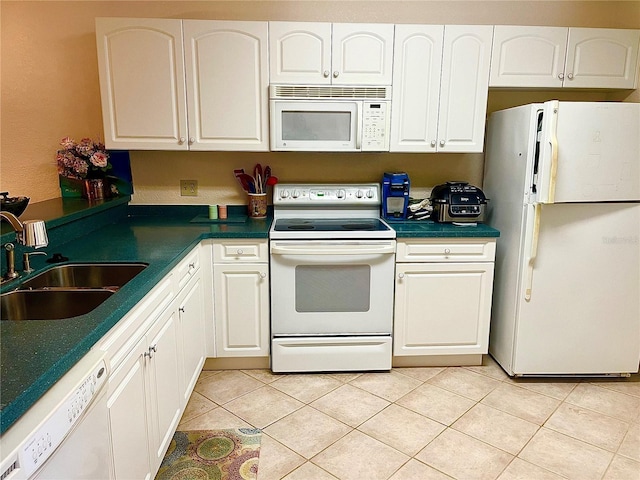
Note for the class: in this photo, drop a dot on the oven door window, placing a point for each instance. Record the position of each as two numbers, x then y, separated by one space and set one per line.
332 288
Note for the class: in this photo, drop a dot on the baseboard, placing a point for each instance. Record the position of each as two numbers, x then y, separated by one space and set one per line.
237 363
437 360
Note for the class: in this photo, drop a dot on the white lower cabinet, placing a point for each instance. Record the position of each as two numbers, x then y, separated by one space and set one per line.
128 421
165 403
443 296
192 340
144 403
241 291
155 355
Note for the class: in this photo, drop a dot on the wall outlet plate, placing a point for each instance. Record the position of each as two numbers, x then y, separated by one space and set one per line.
189 188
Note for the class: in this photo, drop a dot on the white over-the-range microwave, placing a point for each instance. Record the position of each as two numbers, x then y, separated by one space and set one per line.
316 118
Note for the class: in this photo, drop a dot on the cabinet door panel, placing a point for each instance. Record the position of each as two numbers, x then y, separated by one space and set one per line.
141 70
602 58
464 88
528 56
227 84
241 310
162 365
300 52
362 53
442 308
191 316
416 88
128 418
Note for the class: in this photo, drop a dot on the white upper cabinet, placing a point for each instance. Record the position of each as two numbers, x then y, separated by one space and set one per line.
416 88
602 58
227 84
325 53
440 87
145 103
464 87
142 83
300 52
558 57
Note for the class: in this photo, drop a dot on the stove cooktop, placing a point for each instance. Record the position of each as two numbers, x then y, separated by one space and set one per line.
331 228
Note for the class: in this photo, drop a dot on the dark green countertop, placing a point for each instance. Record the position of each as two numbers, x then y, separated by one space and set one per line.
35 354
429 228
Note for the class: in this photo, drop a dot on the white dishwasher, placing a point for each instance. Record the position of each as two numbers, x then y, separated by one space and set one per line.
65 435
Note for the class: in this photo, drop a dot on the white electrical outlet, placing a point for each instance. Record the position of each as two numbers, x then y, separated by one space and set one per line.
189 188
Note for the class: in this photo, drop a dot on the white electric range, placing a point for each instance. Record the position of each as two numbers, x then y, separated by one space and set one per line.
332 279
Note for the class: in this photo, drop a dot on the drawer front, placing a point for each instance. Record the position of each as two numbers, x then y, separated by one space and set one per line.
127 332
446 250
188 267
238 251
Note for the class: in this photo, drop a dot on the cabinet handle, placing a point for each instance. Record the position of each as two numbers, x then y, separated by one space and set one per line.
181 309
442 143
240 251
192 266
447 251
570 76
335 74
181 140
326 74
433 143
561 76
263 275
192 140
152 350
401 275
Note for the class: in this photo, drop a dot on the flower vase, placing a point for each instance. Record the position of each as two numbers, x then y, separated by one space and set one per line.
94 189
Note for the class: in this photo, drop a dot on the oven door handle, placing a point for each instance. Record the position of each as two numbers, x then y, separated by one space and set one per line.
332 249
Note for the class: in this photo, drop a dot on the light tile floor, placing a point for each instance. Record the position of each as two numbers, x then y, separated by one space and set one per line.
427 423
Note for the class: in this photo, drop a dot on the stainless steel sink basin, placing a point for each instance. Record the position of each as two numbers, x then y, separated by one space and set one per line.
66 291
95 275
50 304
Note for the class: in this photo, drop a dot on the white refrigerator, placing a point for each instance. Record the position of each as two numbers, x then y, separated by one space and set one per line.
563 179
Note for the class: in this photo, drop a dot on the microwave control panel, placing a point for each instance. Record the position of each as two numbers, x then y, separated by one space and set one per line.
375 126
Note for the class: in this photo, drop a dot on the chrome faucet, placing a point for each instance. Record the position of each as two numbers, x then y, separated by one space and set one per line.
31 233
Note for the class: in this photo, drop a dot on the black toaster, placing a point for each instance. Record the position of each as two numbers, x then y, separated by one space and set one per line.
457 202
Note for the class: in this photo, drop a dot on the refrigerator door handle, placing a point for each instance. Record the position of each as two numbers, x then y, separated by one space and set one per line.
554 162
534 251
548 171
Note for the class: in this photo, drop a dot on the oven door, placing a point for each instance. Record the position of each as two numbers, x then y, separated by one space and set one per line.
325 126
333 287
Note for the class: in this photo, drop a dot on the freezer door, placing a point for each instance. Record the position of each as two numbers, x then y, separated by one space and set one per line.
589 152
579 308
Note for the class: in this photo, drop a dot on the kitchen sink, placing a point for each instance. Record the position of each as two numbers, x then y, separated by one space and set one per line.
66 291
55 304
94 275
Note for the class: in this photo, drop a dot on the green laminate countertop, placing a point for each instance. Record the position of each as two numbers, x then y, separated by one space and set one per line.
35 354
431 229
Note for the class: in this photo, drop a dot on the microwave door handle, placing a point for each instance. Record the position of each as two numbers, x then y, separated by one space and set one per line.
359 125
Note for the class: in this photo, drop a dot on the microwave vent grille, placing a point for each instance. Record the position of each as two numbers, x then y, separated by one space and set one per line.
329 91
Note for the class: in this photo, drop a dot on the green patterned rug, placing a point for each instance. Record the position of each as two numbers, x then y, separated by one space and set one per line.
212 455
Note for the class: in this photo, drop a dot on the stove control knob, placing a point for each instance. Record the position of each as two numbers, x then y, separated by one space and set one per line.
359 194
340 193
284 194
370 194
295 194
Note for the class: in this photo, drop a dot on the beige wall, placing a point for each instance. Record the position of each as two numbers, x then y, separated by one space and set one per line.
49 89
